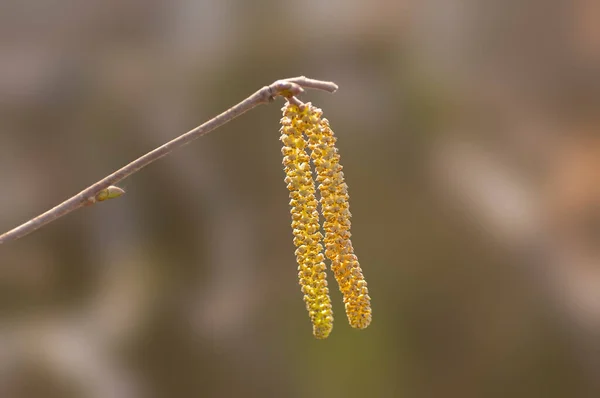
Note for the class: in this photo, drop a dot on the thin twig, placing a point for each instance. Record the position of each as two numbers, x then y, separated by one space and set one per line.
285 87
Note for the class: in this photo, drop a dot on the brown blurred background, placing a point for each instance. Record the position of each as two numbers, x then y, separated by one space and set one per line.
470 135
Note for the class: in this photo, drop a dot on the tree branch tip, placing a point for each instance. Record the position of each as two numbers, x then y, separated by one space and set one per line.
306 82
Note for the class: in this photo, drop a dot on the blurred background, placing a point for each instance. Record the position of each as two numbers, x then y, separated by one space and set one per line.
470 136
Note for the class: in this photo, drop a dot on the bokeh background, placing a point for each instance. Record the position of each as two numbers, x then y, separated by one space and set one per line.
469 132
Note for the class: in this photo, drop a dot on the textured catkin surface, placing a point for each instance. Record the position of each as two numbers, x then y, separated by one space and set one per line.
304 128
305 222
335 208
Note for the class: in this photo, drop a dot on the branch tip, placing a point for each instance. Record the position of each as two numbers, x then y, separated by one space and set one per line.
304 81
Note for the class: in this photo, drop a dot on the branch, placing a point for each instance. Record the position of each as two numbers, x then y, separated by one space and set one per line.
104 188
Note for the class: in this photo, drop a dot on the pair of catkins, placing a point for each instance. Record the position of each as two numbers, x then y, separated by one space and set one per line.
306 137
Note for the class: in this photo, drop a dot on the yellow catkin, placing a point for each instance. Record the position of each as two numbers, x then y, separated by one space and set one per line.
336 211
305 221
